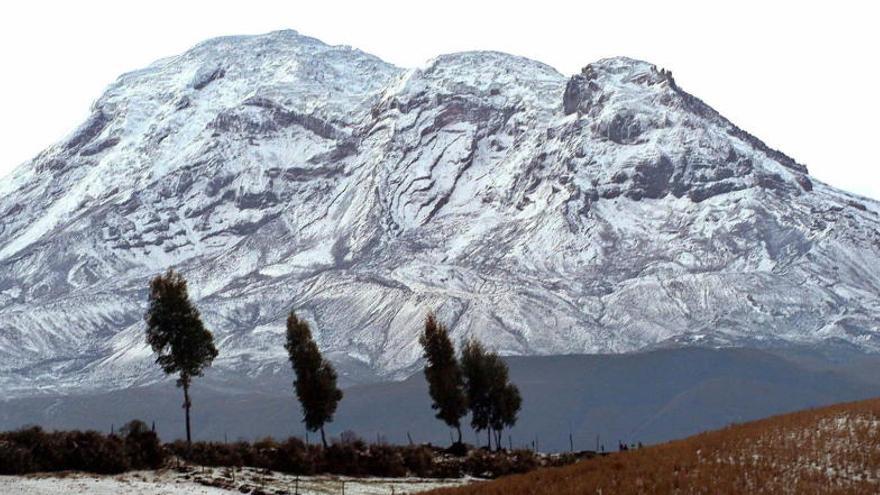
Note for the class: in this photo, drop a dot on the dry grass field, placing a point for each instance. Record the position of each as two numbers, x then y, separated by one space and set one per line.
829 450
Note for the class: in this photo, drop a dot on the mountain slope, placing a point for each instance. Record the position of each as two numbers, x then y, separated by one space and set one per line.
606 212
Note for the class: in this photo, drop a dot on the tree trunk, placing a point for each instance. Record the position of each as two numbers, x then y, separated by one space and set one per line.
459 433
186 405
489 437
323 438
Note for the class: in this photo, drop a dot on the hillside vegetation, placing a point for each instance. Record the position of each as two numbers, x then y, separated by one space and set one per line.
829 450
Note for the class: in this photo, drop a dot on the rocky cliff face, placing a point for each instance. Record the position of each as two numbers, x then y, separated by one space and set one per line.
606 212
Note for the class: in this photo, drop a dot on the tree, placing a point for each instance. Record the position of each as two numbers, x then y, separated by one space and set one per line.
315 382
444 375
477 385
506 402
494 401
177 335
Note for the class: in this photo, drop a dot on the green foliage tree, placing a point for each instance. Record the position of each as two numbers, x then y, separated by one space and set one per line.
506 402
177 335
315 382
443 373
477 384
494 401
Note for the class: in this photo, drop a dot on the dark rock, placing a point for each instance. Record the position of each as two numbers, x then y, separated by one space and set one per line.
705 192
635 194
619 177
88 131
805 183
16 208
278 117
772 181
183 102
207 76
218 182
722 173
259 200
857 205
100 146
652 178
576 90
51 164
624 128
610 192
185 181
233 121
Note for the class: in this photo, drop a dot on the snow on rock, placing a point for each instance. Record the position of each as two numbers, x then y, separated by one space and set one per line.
606 212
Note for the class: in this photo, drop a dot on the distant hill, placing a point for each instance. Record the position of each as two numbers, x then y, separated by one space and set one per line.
830 450
649 397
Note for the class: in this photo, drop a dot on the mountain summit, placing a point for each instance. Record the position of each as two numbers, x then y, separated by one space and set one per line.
609 211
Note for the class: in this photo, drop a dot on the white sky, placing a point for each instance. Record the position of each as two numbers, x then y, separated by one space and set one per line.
804 78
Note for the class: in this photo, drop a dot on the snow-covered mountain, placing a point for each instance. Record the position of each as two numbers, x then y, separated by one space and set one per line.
605 212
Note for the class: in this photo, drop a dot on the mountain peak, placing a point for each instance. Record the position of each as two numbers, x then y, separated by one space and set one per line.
284 39
234 66
620 64
615 75
491 61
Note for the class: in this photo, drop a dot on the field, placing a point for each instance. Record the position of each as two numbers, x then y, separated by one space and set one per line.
829 450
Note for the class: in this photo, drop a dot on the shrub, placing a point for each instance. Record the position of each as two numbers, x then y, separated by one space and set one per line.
419 461
136 447
31 450
523 461
15 459
485 464
94 452
213 453
142 445
344 459
385 461
294 457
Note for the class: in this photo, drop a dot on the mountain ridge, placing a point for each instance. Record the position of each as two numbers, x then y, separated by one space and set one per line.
609 211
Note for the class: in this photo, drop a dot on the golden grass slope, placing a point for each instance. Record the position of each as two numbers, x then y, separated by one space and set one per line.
834 449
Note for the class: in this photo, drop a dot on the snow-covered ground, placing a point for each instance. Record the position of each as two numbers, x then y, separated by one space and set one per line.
98 485
211 481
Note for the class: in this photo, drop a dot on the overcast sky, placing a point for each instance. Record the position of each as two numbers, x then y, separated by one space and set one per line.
803 78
